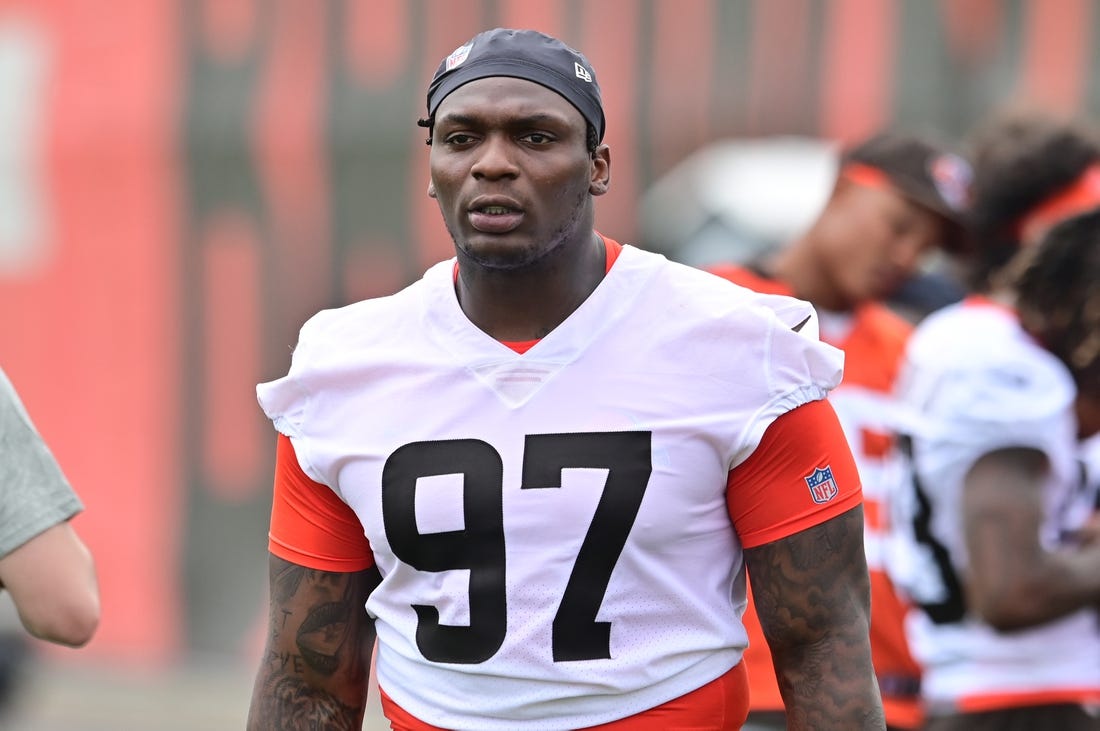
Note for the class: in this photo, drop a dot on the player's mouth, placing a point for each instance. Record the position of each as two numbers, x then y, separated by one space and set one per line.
495 216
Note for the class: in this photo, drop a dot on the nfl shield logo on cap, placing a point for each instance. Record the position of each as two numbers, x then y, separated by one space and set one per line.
822 486
952 176
458 56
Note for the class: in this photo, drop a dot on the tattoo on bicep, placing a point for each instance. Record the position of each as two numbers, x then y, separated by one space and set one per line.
326 629
327 609
812 561
286 582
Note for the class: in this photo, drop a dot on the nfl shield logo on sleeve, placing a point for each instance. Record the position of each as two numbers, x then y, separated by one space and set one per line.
822 485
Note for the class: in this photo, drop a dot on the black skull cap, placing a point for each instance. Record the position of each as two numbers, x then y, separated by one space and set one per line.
522 54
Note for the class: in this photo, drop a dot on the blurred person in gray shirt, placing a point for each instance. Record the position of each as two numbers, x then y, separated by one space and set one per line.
44 565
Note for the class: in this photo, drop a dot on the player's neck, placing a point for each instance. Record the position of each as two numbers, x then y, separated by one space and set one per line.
526 304
797 267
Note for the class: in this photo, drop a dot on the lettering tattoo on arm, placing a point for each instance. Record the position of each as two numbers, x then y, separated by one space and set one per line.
812 595
317 660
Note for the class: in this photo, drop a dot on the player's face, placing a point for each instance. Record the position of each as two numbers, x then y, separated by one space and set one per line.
511 171
875 241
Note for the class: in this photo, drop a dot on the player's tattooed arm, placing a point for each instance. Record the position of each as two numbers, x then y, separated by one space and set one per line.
317 660
812 595
1014 580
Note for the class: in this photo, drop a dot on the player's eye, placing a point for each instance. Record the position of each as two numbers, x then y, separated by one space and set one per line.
538 138
458 138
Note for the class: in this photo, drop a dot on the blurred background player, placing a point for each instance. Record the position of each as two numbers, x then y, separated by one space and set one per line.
996 551
45 568
739 201
895 198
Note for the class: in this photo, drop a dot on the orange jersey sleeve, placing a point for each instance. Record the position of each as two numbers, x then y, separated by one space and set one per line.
800 475
310 525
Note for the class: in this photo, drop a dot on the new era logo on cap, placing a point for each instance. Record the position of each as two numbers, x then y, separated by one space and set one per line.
582 73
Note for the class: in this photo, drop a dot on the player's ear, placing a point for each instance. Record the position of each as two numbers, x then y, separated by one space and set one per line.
431 189
600 180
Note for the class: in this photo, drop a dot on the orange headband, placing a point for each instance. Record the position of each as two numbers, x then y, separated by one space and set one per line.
870 176
867 175
1079 196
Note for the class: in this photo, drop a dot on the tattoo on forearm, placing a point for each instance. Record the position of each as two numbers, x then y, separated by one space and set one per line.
812 596
292 704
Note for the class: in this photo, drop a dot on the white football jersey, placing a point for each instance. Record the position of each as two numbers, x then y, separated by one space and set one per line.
974 382
552 528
